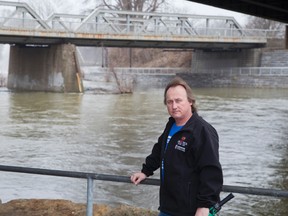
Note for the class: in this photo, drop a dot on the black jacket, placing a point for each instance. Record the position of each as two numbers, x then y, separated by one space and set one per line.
193 174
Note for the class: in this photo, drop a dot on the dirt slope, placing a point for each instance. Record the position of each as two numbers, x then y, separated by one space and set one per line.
46 207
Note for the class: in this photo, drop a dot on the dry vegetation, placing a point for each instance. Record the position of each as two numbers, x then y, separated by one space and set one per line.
120 57
144 58
44 207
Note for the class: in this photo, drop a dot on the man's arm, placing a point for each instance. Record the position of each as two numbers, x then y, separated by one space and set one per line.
210 170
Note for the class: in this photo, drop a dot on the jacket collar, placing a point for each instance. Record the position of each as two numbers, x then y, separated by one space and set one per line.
189 123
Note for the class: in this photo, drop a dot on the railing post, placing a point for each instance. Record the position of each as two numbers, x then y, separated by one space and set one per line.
89 207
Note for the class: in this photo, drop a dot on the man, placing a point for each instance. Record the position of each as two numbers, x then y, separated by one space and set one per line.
187 153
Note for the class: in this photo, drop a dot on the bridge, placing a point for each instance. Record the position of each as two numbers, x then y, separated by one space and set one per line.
52 42
22 25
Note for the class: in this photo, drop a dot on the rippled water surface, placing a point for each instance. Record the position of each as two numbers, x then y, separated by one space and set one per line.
112 134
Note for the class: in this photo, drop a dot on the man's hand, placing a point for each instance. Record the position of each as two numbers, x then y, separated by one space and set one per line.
136 178
202 212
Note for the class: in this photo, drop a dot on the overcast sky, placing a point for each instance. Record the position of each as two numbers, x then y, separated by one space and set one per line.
201 9
187 7
176 6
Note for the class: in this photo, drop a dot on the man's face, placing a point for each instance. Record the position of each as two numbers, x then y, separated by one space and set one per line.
178 105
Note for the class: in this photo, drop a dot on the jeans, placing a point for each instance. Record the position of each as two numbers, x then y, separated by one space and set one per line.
163 214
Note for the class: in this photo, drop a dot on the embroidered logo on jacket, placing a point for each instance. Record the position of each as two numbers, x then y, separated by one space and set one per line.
181 144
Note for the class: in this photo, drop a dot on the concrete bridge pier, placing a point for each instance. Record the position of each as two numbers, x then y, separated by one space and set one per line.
52 68
205 60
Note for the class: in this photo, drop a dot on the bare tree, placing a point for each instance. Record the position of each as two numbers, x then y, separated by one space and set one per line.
46 8
127 54
275 29
131 5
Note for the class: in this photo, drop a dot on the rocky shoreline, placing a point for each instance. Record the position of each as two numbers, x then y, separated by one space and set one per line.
50 207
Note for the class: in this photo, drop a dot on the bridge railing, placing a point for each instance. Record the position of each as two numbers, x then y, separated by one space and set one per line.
90 177
20 23
10 10
22 16
137 29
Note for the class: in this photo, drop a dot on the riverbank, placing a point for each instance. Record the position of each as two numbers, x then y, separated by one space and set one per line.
49 207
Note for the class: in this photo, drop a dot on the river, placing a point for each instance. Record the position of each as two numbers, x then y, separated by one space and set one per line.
112 134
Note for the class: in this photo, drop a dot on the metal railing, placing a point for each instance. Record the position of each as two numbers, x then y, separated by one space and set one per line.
124 179
148 28
90 72
246 71
22 16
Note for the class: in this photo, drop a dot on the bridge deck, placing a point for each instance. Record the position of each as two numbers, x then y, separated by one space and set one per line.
13 36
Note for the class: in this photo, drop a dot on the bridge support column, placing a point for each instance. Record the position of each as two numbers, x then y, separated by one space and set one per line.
53 68
203 61
286 37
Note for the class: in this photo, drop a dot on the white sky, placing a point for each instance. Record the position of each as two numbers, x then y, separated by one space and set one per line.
178 6
183 6
201 9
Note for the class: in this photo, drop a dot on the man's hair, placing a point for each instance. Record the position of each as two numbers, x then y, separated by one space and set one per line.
177 81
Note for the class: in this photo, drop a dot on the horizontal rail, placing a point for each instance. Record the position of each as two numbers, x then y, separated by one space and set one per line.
93 72
246 71
256 191
125 179
90 71
114 178
73 174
